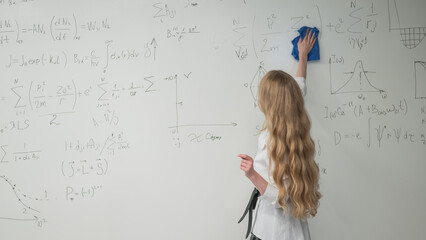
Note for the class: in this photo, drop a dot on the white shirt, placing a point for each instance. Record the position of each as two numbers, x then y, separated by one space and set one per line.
270 223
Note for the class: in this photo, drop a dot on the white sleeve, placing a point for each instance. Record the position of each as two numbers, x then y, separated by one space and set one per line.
271 195
302 84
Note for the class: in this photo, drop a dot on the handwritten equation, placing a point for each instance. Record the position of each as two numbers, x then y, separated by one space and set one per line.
88 97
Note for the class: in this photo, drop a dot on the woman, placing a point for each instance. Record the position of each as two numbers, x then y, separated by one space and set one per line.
284 171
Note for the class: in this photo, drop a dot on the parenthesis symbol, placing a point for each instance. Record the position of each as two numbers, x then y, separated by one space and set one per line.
106 169
51 28
17 35
406 106
62 168
66 59
29 95
75 23
355 111
75 95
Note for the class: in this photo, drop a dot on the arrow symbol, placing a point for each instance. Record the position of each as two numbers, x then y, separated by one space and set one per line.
232 124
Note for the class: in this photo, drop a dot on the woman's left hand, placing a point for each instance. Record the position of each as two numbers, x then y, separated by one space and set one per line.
247 165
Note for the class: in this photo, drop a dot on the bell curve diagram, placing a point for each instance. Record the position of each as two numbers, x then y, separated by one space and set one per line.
358 82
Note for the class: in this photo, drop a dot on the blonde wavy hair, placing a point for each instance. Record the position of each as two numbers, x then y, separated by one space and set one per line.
290 146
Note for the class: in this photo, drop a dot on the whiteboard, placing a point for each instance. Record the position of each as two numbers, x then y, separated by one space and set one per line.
123 119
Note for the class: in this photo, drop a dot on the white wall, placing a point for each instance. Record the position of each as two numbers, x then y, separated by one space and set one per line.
123 119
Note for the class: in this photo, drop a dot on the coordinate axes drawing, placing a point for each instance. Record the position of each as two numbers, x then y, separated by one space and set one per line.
22 209
178 105
358 82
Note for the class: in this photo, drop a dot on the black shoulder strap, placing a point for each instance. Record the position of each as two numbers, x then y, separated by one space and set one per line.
249 209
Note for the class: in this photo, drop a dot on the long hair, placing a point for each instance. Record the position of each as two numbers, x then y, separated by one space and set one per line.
290 146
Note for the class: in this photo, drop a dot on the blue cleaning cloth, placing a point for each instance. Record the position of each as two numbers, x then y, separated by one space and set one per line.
314 54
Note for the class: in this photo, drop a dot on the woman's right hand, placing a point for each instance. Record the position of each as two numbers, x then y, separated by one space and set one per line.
307 44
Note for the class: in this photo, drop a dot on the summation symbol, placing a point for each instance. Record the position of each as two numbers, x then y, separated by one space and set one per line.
18 105
357 83
410 36
3 153
420 79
